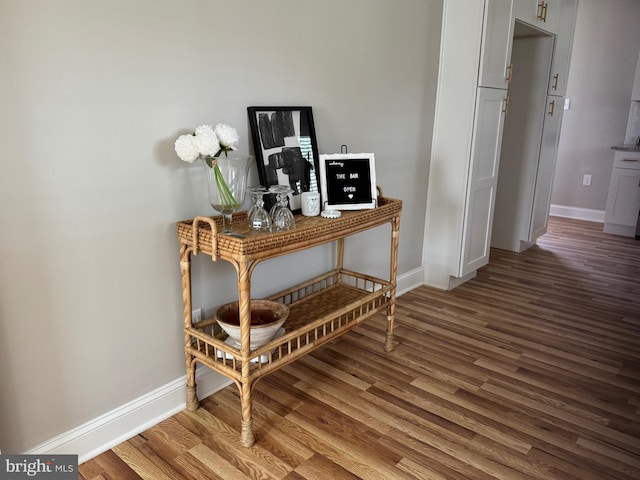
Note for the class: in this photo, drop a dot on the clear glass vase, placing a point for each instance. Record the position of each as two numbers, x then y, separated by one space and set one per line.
226 178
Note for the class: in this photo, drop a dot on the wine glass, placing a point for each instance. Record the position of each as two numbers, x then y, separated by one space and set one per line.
281 216
252 191
258 218
226 184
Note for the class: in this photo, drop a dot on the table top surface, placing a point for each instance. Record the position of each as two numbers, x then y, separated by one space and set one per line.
309 231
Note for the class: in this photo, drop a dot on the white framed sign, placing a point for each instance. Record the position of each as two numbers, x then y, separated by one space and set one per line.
348 181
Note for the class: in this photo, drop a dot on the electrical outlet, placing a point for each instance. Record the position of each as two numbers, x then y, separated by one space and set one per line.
586 180
196 315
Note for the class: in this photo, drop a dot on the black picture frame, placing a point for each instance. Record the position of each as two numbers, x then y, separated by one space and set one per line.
286 150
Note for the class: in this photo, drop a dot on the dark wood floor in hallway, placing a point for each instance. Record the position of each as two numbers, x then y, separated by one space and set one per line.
529 371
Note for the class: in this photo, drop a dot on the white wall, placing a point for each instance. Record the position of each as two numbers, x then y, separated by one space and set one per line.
94 94
605 53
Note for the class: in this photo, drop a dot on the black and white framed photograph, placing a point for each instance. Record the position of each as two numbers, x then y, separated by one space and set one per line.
348 181
286 150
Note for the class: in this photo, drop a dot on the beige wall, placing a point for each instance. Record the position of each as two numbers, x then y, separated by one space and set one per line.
93 95
605 52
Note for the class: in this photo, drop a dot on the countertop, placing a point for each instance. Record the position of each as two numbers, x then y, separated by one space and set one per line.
629 147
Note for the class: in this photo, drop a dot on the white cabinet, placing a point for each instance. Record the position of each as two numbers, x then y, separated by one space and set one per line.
466 139
557 17
542 14
495 54
470 130
483 179
624 197
546 168
567 12
623 200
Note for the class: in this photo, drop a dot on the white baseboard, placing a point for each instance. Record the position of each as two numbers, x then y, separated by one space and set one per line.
457 281
577 213
623 230
106 431
409 281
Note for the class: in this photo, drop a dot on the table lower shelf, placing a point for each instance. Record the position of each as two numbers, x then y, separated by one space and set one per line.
320 310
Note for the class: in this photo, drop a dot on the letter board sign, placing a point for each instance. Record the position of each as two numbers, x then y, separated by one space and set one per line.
348 181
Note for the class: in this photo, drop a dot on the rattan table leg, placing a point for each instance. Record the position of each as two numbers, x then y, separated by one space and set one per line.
185 273
388 345
393 275
244 305
247 437
192 398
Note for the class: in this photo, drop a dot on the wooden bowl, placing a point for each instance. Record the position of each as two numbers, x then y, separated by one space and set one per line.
266 319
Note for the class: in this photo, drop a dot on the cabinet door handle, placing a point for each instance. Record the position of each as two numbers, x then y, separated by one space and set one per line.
541 8
509 72
552 107
544 10
629 159
555 82
505 110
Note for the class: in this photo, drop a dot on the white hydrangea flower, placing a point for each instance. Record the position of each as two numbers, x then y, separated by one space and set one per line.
202 129
186 148
228 136
206 140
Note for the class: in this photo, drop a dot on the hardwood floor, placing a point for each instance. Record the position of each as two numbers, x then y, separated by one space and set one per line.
529 371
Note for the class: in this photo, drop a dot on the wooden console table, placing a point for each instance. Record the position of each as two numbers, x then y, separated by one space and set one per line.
321 308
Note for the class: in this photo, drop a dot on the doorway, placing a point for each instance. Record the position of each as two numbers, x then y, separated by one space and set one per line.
520 190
